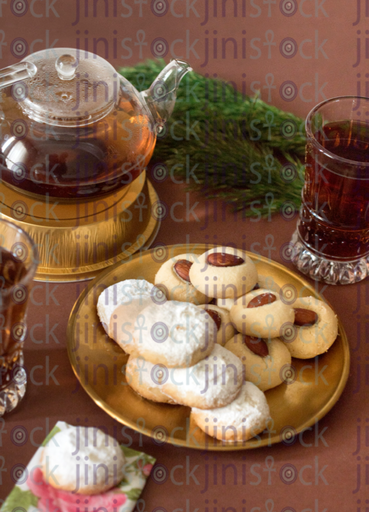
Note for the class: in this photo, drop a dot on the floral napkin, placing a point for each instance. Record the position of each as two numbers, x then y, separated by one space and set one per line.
32 494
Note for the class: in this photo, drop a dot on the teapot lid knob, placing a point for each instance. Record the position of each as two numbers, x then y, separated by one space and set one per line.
66 71
66 66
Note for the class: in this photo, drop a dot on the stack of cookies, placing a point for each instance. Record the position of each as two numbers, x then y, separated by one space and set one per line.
209 336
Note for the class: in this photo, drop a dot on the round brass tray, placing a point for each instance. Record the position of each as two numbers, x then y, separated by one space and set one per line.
314 386
76 240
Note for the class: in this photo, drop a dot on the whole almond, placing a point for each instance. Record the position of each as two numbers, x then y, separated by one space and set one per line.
305 317
182 269
223 259
262 300
215 316
256 345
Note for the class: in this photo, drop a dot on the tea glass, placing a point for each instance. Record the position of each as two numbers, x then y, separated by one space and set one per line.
331 242
18 264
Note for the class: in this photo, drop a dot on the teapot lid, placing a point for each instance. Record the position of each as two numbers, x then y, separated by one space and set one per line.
70 87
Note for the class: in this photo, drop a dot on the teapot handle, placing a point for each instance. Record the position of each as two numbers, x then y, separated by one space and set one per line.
17 72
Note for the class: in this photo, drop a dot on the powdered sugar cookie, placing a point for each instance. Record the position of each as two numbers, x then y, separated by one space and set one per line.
173 275
315 328
146 379
245 417
120 304
213 382
222 319
262 313
264 360
224 272
84 460
176 334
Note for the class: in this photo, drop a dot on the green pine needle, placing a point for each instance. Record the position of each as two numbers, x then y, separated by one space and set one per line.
234 143
240 173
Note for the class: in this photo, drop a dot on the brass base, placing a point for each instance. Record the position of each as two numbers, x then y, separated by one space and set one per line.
76 240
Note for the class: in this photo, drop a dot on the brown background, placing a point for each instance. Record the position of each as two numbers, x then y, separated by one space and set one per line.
328 33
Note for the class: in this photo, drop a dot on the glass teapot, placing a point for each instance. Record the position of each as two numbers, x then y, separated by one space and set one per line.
72 127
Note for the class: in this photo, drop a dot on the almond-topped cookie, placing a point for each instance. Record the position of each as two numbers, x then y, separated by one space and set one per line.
222 319
315 328
265 361
266 282
224 272
262 313
173 278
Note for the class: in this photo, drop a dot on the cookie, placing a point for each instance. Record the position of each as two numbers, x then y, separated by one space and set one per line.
176 334
266 282
262 313
265 361
224 272
146 379
120 304
173 278
222 319
225 303
84 460
315 328
213 382
245 417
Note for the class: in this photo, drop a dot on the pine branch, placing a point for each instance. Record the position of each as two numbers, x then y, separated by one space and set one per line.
235 148
246 175
202 97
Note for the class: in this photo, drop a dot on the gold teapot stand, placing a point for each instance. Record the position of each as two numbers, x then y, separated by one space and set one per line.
78 239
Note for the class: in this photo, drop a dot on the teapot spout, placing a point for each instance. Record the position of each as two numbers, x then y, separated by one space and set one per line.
161 96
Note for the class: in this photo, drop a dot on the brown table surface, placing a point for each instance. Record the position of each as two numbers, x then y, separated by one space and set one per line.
331 459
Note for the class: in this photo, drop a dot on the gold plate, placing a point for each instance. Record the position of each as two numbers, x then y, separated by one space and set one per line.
313 387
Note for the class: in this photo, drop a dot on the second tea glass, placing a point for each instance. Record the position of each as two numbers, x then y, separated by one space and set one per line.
331 242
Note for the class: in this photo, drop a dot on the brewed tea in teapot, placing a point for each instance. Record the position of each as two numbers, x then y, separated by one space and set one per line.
72 127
